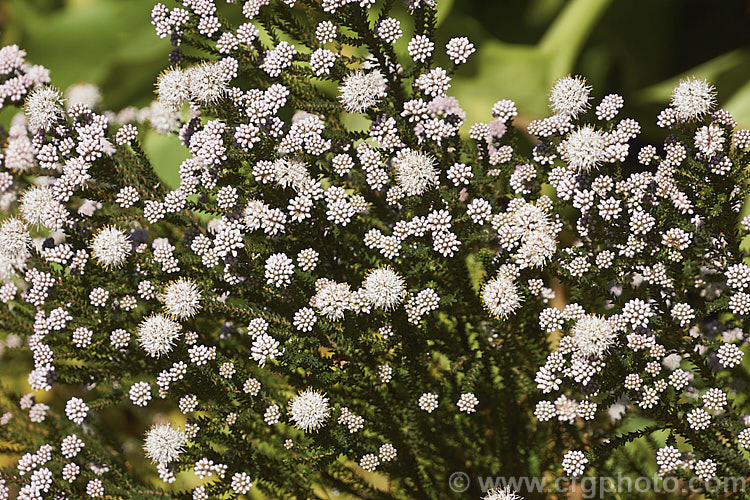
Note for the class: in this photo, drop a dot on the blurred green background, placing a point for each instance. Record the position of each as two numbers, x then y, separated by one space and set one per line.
638 48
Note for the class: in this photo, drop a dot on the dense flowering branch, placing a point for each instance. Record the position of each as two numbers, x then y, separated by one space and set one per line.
315 302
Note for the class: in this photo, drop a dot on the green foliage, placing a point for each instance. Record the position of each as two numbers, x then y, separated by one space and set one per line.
456 350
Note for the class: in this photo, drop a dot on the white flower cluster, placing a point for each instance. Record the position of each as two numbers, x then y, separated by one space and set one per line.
303 268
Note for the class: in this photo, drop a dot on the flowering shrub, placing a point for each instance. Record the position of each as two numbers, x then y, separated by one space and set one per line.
344 284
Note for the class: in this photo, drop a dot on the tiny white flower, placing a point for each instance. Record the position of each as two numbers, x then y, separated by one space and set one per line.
182 298
384 288
173 88
593 335
111 247
43 109
360 91
157 334
500 296
693 98
309 410
163 443
415 171
570 96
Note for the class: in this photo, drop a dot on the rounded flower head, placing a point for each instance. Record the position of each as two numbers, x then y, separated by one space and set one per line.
110 247
182 298
207 83
290 173
501 494
43 109
157 334
309 410
173 88
34 203
593 335
693 98
83 93
384 288
361 90
538 247
163 443
574 463
569 96
332 299
583 149
14 239
415 171
501 296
